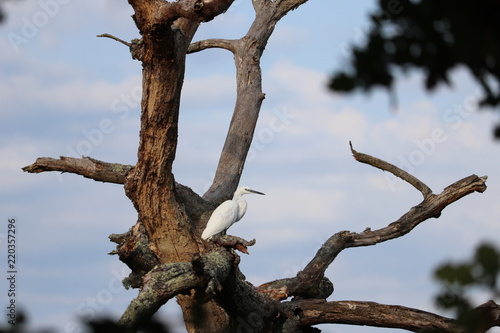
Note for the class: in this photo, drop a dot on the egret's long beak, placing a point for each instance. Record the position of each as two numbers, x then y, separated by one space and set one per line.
256 192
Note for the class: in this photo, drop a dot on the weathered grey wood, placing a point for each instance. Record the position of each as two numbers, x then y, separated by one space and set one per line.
85 166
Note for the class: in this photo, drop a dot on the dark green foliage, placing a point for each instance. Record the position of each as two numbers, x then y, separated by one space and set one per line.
458 280
2 11
103 325
432 36
488 262
110 326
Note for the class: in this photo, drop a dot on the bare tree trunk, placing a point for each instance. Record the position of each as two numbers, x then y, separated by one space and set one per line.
150 185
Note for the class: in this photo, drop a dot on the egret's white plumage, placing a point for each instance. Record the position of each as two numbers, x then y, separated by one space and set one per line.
227 213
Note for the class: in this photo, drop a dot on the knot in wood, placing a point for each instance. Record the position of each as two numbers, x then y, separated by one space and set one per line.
198 5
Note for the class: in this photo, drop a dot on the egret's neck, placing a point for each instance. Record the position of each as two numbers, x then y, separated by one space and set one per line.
242 207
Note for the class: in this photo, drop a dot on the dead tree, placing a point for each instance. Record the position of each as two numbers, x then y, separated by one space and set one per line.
164 250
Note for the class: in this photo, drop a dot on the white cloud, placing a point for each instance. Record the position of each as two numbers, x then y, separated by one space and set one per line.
15 155
286 35
297 84
345 125
291 213
58 87
202 94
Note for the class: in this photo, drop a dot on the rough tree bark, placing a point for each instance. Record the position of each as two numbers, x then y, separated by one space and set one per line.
164 249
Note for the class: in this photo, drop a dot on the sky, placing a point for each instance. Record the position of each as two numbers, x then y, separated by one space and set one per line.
64 92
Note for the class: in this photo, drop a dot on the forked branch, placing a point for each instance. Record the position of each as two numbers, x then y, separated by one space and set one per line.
433 204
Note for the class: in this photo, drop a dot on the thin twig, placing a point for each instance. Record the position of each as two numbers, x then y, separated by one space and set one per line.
115 38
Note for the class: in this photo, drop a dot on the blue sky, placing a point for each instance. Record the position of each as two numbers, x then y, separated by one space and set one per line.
61 84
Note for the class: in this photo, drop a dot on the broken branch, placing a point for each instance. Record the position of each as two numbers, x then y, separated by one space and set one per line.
385 166
233 242
86 166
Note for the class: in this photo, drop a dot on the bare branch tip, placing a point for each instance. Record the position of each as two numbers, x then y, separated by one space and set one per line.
352 148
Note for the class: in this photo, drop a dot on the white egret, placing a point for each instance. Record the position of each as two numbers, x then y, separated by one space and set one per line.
227 213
